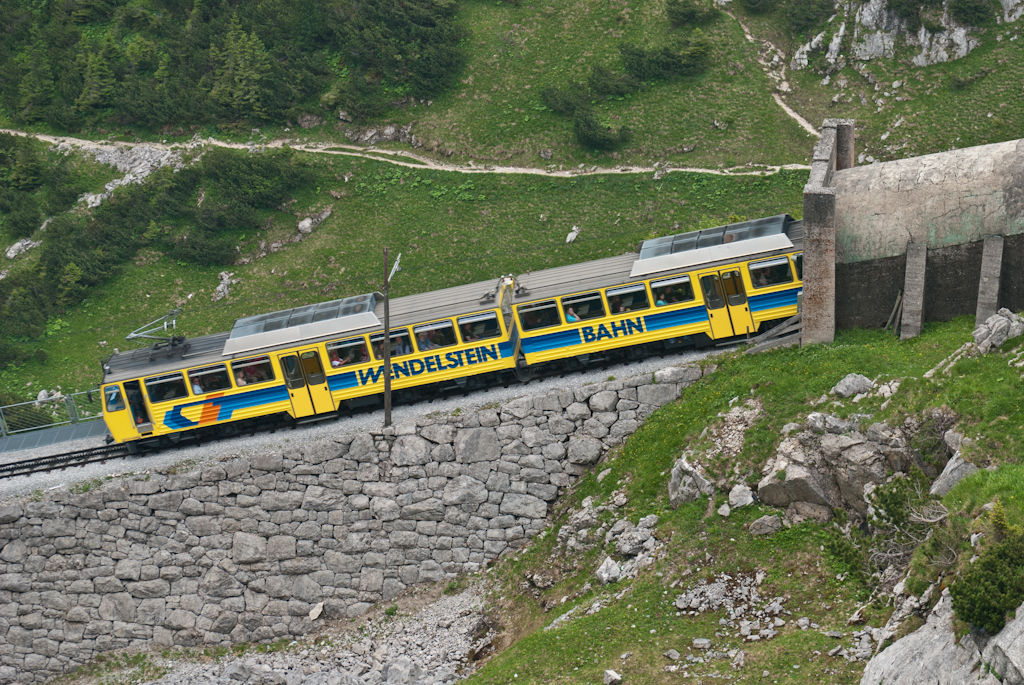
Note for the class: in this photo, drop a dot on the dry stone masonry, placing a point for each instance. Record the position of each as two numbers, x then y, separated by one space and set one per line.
260 549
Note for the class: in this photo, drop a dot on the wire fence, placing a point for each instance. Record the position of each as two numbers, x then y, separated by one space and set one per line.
62 410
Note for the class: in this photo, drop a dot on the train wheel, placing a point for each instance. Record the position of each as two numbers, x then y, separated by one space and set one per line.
523 373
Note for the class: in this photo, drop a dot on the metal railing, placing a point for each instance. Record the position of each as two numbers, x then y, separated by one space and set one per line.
62 410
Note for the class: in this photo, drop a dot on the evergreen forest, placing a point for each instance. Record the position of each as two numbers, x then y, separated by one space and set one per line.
161 64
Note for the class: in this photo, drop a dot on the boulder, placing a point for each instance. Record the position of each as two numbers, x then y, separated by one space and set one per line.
687 484
401 671
766 525
957 468
612 678
632 542
798 512
853 384
740 496
1005 652
608 571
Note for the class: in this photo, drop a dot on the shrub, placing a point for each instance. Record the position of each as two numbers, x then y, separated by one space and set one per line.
593 134
758 6
565 100
992 587
804 15
971 12
686 57
604 82
22 210
689 12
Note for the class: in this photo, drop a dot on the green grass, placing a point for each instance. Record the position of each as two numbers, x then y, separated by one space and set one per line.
800 562
451 229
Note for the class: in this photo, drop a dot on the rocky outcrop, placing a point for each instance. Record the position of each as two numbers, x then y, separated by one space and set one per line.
20 247
687 484
1002 326
831 462
258 549
136 162
869 30
383 134
932 655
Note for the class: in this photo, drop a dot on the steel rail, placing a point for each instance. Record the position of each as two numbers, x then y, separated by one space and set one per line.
57 462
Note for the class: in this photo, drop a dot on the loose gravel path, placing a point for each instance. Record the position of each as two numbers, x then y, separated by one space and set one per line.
260 443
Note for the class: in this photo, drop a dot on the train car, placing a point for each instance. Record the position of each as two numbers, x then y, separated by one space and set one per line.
313 362
309 363
686 289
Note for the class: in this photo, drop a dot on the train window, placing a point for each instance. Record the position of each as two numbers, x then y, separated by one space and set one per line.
209 379
351 351
734 289
798 262
252 371
672 291
400 344
479 327
166 388
714 298
537 315
630 298
770 272
432 336
312 368
583 307
113 400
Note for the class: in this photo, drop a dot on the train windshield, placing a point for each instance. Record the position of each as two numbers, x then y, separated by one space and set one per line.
113 399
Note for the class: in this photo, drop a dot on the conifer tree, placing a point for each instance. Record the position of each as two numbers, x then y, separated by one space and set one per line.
99 77
36 86
242 66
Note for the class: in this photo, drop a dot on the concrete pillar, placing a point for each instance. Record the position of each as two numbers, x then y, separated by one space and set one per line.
819 308
991 274
913 291
846 157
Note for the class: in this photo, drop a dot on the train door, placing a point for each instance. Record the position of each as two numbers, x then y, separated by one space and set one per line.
736 301
714 300
307 383
726 301
302 401
137 405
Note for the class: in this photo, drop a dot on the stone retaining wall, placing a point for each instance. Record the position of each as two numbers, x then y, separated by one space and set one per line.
258 549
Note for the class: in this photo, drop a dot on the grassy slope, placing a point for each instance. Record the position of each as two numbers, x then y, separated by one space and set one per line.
644 622
936 116
451 228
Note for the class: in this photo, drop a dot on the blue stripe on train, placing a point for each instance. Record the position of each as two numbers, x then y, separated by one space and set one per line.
782 298
343 381
680 317
551 341
506 349
227 405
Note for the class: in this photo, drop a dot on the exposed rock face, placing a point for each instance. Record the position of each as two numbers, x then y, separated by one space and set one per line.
831 463
258 549
23 245
382 134
931 655
956 470
687 484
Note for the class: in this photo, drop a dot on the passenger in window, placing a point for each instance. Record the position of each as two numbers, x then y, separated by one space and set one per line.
570 315
424 342
660 301
467 332
197 386
761 278
240 379
336 360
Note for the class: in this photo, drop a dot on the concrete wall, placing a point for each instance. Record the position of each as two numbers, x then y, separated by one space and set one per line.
866 291
245 549
944 199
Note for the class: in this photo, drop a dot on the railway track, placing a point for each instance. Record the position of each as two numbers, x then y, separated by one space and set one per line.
56 462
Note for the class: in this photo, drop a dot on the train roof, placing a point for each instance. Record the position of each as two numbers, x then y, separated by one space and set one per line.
332 319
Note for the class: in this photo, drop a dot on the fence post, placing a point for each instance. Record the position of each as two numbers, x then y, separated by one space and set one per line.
3 424
69 401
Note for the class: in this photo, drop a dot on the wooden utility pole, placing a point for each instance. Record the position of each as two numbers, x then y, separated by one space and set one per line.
387 344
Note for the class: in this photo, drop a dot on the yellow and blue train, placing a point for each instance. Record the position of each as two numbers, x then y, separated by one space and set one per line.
313 362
